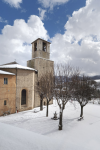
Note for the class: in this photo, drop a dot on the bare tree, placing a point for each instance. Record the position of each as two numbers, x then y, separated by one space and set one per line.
64 77
97 92
49 88
40 90
84 91
46 88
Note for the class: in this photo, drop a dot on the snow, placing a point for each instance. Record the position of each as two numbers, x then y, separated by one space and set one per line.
20 139
38 132
17 66
5 72
98 80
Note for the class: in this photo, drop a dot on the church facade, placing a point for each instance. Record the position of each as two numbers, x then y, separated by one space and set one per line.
26 77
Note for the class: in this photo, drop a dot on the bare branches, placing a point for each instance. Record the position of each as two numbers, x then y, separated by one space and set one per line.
65 84
84 91
46 87
65 76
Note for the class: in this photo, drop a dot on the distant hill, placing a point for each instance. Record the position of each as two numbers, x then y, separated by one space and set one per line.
95 77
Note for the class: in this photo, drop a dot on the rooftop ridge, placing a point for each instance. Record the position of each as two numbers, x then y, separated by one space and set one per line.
40 39
17 66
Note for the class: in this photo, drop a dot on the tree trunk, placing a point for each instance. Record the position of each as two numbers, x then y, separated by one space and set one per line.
60 119
81 115
41 104
63 106
47 109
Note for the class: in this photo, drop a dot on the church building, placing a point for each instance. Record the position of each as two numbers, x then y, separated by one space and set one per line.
26 96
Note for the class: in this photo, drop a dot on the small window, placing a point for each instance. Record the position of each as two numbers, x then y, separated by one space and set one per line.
35 46
5 102
5 80
44 47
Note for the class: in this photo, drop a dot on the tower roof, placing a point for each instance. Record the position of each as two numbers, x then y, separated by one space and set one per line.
42 40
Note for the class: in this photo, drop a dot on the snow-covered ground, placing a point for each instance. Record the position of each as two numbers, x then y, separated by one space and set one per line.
97 80
33 131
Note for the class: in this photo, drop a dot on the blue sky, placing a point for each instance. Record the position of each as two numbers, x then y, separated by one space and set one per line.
72 27
55 18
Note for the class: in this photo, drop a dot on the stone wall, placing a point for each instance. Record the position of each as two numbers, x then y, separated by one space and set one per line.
8 94
40 52
24 80
43 66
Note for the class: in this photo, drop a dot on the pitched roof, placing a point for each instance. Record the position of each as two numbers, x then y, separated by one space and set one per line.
42 40
5 72
18 67
11 63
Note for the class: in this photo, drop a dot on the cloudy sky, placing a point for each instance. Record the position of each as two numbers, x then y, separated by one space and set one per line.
72 27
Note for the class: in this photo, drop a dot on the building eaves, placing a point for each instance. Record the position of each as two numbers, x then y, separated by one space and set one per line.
16 66
42 40
6 73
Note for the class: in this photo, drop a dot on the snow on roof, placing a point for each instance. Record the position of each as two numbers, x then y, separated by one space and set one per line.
17 66
5 72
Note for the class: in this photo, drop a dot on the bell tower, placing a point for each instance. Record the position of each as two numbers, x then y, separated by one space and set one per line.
41 62
41 48
41 57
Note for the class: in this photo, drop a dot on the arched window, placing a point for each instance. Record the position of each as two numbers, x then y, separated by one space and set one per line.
23 97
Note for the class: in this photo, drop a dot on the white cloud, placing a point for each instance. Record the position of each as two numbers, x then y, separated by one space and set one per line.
52 3
2 20
80 44
42 13
13 3
15 40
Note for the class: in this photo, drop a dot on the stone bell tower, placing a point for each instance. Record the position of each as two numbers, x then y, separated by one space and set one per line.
41 57
41 62
41 48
